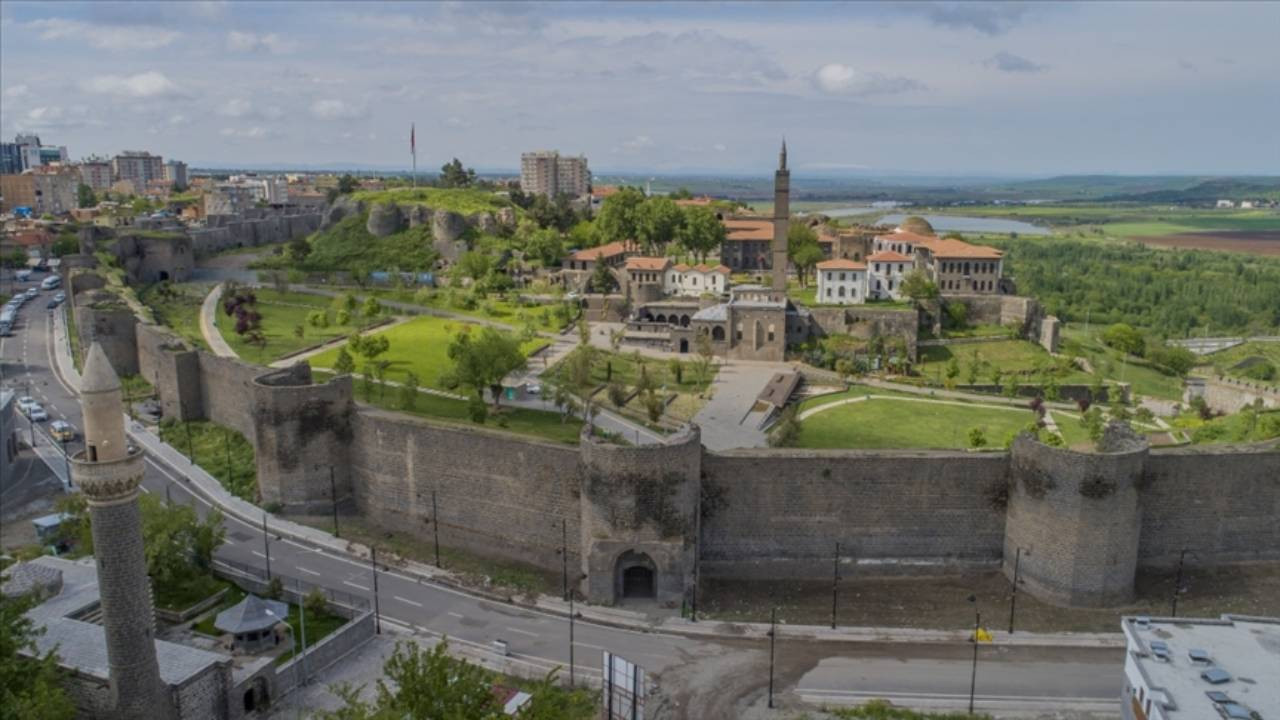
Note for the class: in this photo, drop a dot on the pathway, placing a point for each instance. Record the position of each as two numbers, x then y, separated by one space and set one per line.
209 329
814 410
725 419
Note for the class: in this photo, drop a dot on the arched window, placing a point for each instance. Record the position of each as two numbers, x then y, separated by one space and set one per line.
717 333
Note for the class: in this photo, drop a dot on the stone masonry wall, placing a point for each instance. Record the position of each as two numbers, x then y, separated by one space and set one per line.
1220 502
497 494
227 393
173 369
102 319
865 322
302 433
774 513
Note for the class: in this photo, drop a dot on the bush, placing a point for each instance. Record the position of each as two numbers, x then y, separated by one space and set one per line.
275 588
617 394
315 602
977 437
1124 338
1264 371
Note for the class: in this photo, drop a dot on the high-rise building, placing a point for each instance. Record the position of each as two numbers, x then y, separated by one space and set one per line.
96 173
175 173
10 159
138 167
546 172
29 150
108 472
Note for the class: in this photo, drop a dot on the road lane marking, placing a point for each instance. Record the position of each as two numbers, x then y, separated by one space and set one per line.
306 570
354 585
407 601
589 645
454 614
255 552
522 632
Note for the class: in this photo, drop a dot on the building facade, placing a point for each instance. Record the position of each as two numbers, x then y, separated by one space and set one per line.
175 173
885 271
46 190
228 199
96 173
955 266
137 167
841 282
747 245
547 172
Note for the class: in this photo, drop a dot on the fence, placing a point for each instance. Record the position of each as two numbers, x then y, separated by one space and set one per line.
254 579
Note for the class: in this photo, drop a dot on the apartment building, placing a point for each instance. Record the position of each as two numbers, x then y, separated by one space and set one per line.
96 173
137 167
547 172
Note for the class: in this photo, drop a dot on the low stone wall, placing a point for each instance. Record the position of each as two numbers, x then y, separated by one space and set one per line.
1229 395
228 232
182 616
332 648
866 321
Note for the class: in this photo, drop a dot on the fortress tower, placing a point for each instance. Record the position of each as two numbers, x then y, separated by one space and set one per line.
781 220
109 475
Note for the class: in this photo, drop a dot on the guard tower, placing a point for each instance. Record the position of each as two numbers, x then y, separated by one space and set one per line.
109 475
781 221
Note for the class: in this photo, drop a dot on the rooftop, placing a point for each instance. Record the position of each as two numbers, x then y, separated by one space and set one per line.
749 229
841 264
595 253
888 256
951 248
637 262
1246 648
251 614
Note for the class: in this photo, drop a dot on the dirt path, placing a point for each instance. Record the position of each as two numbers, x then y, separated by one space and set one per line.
209 329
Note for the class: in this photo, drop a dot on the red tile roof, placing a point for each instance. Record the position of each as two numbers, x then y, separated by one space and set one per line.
888 256
841 264
909 238
595 253
723 270
749 229
962 249
647 263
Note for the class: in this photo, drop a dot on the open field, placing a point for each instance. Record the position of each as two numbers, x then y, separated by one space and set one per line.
1224 362
420 346
883 422
1127 219
1255 242
494 307
1022 357
176 306
221 451
282 313
1143 379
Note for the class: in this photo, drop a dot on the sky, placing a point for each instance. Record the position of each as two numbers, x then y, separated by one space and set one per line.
936 88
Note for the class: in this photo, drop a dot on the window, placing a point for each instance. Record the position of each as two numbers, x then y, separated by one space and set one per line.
877 267
877 284
890 284
841 277
841 291
771 332
828 292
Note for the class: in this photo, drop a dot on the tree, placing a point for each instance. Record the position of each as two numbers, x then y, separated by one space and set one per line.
483 360
701 232
1124 338
956 315
299 248
545 246
424 684
371 308
658 220
342 317
85 197
977 437
680 193
453 175
368 346
344 364
299 331
617 394
347 184
344 301
602 280
676 368
917 286
175 540
654 405
318 319
802 241
702 365
30 686
619 216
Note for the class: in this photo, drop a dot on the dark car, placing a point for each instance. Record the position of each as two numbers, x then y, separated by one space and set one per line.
52 304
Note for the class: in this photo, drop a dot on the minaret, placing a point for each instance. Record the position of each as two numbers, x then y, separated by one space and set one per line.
781 220
109 475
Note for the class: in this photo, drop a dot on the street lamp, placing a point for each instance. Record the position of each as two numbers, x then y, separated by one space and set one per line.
973 675
1017 580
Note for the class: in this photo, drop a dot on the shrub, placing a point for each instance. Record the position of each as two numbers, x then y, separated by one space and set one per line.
977 437
315 602
1124 338
1264 371
617 394
342 317
275 588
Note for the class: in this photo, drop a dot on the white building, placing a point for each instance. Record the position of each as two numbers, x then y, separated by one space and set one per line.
546 172
1226 204
885 271
682 279
1199 669
1247 205
842 282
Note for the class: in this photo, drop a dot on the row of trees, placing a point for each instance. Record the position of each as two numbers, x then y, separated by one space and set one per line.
656 222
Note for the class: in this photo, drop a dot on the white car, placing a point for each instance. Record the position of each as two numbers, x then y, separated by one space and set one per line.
32 292
25 403
60 296
37 414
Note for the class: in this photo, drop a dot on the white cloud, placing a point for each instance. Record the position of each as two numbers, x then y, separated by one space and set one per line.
235 107
105 37
331 109
16 91
719 147
1008 62
839 79
250 133
249 42
178 119
634 145
141 85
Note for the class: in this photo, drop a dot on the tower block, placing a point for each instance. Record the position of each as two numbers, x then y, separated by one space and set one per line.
109 476
781 221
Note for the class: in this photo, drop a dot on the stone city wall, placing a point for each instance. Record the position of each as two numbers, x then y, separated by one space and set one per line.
205 695
1221 502
779 513
302 433
867 321
224 232
332 648
1230 395
497 494
104 319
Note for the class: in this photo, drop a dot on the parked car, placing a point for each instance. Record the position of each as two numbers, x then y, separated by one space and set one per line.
31 293
62 431
37 414
51 304
60 297
25 403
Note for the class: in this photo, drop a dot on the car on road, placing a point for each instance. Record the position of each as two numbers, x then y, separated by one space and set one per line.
62 431
31 293
51 304
61 296
37 414
25 403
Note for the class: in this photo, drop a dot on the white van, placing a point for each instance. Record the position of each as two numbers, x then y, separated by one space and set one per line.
50 282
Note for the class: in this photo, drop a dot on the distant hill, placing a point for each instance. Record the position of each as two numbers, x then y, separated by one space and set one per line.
1209 191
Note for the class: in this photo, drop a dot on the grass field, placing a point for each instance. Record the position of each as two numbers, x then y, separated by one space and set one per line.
319 625
177 307
1011 356
1130 220
421 346
1224 360
221 451
464 201
884 422
282 313
1143 379
494 307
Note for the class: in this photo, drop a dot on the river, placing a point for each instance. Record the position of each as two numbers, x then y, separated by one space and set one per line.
945 223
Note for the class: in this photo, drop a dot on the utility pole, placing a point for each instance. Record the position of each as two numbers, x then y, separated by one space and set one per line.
266 545
435 526
333 495
564 558
571 663
191 450
377 614
693 612
226 446
773 636
1013 596
973 675
302 615
835 584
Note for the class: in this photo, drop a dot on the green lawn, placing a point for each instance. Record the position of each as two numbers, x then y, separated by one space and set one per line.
282 313
522 421
421 346
1073 433
1144 379
1245 426
1011 356
177 306
881 423
624 367
221 451
180 596
1224 361
319 625
493 307
465 201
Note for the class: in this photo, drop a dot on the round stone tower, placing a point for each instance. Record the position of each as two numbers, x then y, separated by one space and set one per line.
640 517
109 474
1076 518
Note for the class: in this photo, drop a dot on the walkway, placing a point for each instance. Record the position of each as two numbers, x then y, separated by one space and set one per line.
726 420
209 329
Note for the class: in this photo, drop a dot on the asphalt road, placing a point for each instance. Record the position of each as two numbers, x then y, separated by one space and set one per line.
702 674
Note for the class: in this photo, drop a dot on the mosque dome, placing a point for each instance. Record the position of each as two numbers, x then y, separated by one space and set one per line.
918 225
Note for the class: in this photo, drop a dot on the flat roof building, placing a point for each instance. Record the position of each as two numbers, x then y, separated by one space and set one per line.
547 172
1193 669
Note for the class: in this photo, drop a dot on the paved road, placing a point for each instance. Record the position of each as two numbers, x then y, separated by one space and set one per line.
705 676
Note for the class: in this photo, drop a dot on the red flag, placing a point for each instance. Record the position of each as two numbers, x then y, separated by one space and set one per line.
413 148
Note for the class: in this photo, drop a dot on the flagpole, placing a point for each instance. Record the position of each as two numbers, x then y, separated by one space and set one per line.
413 150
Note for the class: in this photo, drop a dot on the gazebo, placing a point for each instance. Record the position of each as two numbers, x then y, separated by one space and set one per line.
252 622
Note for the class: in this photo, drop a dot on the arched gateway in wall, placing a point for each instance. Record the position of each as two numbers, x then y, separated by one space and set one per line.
636 577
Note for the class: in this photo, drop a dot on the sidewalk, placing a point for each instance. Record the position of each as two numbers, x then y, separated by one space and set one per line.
209 329
211 490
